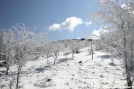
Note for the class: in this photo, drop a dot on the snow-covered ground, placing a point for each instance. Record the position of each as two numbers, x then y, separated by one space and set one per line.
69 74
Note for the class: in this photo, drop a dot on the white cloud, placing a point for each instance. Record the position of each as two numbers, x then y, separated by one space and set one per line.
88 23
78 38
97 33
69 24
104 1
54 27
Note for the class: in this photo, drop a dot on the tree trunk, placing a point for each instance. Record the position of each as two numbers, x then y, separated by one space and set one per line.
129 82
65 56
132 51
55 57
47 58
72 56
7 64
92 54
91 49
7 69
18 76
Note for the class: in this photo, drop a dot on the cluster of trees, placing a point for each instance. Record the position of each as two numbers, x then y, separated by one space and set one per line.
17 46
118 16
66 47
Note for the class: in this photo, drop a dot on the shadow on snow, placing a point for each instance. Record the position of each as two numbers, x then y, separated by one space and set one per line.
64 60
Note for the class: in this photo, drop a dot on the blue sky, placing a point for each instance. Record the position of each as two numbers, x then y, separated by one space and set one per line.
70 16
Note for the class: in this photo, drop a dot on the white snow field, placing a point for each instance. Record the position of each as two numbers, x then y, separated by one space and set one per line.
69 74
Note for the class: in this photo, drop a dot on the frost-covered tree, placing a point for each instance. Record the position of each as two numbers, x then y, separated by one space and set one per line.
119 18
66 52
19 45
66 48
7 41
25 48
56 48
74 46
46 50
89 39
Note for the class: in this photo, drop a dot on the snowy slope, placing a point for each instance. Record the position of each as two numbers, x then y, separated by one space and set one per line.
70 74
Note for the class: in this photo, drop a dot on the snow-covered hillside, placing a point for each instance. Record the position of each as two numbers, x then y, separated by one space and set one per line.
80 73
